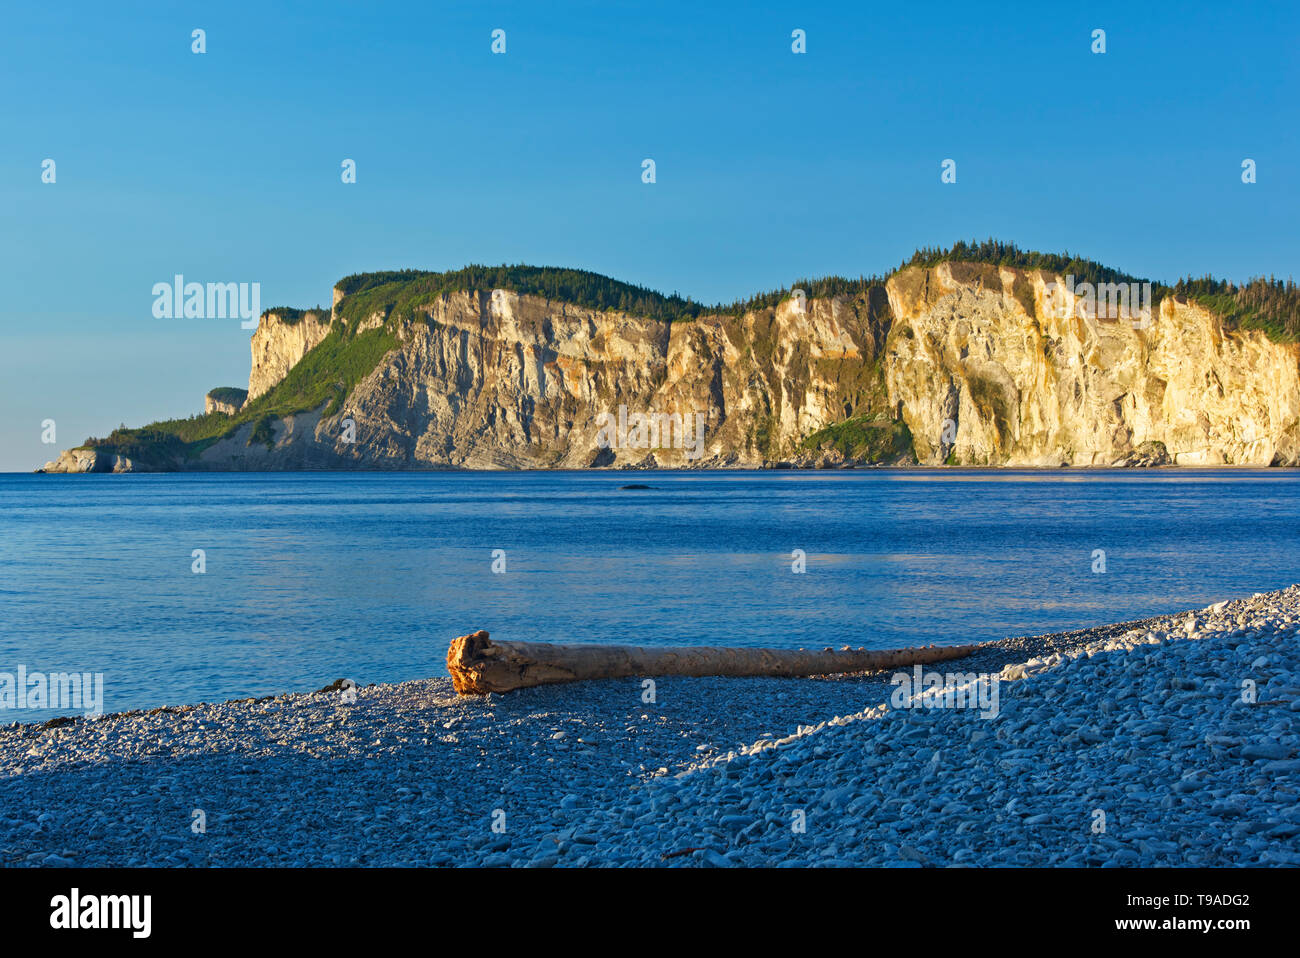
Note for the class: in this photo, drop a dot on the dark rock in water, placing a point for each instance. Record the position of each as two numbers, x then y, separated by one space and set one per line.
1148 454
636 485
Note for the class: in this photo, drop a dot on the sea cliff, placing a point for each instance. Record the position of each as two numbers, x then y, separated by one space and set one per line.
958 363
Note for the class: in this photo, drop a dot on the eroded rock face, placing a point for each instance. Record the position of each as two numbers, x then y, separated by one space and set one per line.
211 405
984 365
278 345
226 401
991 367
89 460
495 380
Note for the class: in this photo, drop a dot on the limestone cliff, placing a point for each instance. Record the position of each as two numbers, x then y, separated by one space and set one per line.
496 380
90 460
281 340
992 366
227 400
956 363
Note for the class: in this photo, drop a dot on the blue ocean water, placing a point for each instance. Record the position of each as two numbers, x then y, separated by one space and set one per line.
318 576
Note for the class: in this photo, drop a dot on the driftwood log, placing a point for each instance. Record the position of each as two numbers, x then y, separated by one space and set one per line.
478 665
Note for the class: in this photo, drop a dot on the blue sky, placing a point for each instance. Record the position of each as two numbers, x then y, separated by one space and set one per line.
771 166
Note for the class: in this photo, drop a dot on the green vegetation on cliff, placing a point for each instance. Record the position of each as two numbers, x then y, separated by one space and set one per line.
290 316
231 395
325 376
1270 305
407 292
870 287
997 253
864 439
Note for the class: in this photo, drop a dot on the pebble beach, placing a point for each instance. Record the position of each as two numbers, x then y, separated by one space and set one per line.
1171 741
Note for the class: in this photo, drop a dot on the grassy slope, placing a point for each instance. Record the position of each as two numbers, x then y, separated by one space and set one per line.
327 374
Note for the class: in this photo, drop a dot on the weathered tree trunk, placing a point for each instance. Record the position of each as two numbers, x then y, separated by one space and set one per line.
479 665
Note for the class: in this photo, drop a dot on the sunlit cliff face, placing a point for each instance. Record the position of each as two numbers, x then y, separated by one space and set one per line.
984 365
1020 379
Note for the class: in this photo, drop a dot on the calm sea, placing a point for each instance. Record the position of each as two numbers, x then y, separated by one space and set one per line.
313 577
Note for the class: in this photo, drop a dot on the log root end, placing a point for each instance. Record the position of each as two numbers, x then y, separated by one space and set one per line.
464 657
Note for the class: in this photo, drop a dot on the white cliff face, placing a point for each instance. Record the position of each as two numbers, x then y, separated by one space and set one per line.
990 367
211 405
499 380
278 345
89 460
984 366
226 402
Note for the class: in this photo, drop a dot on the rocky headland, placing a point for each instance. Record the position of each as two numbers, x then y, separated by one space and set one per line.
948 362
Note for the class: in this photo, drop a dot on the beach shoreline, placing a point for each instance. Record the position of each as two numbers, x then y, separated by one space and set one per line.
1143 722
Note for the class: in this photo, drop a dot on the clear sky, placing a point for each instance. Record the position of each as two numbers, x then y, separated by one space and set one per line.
770 165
